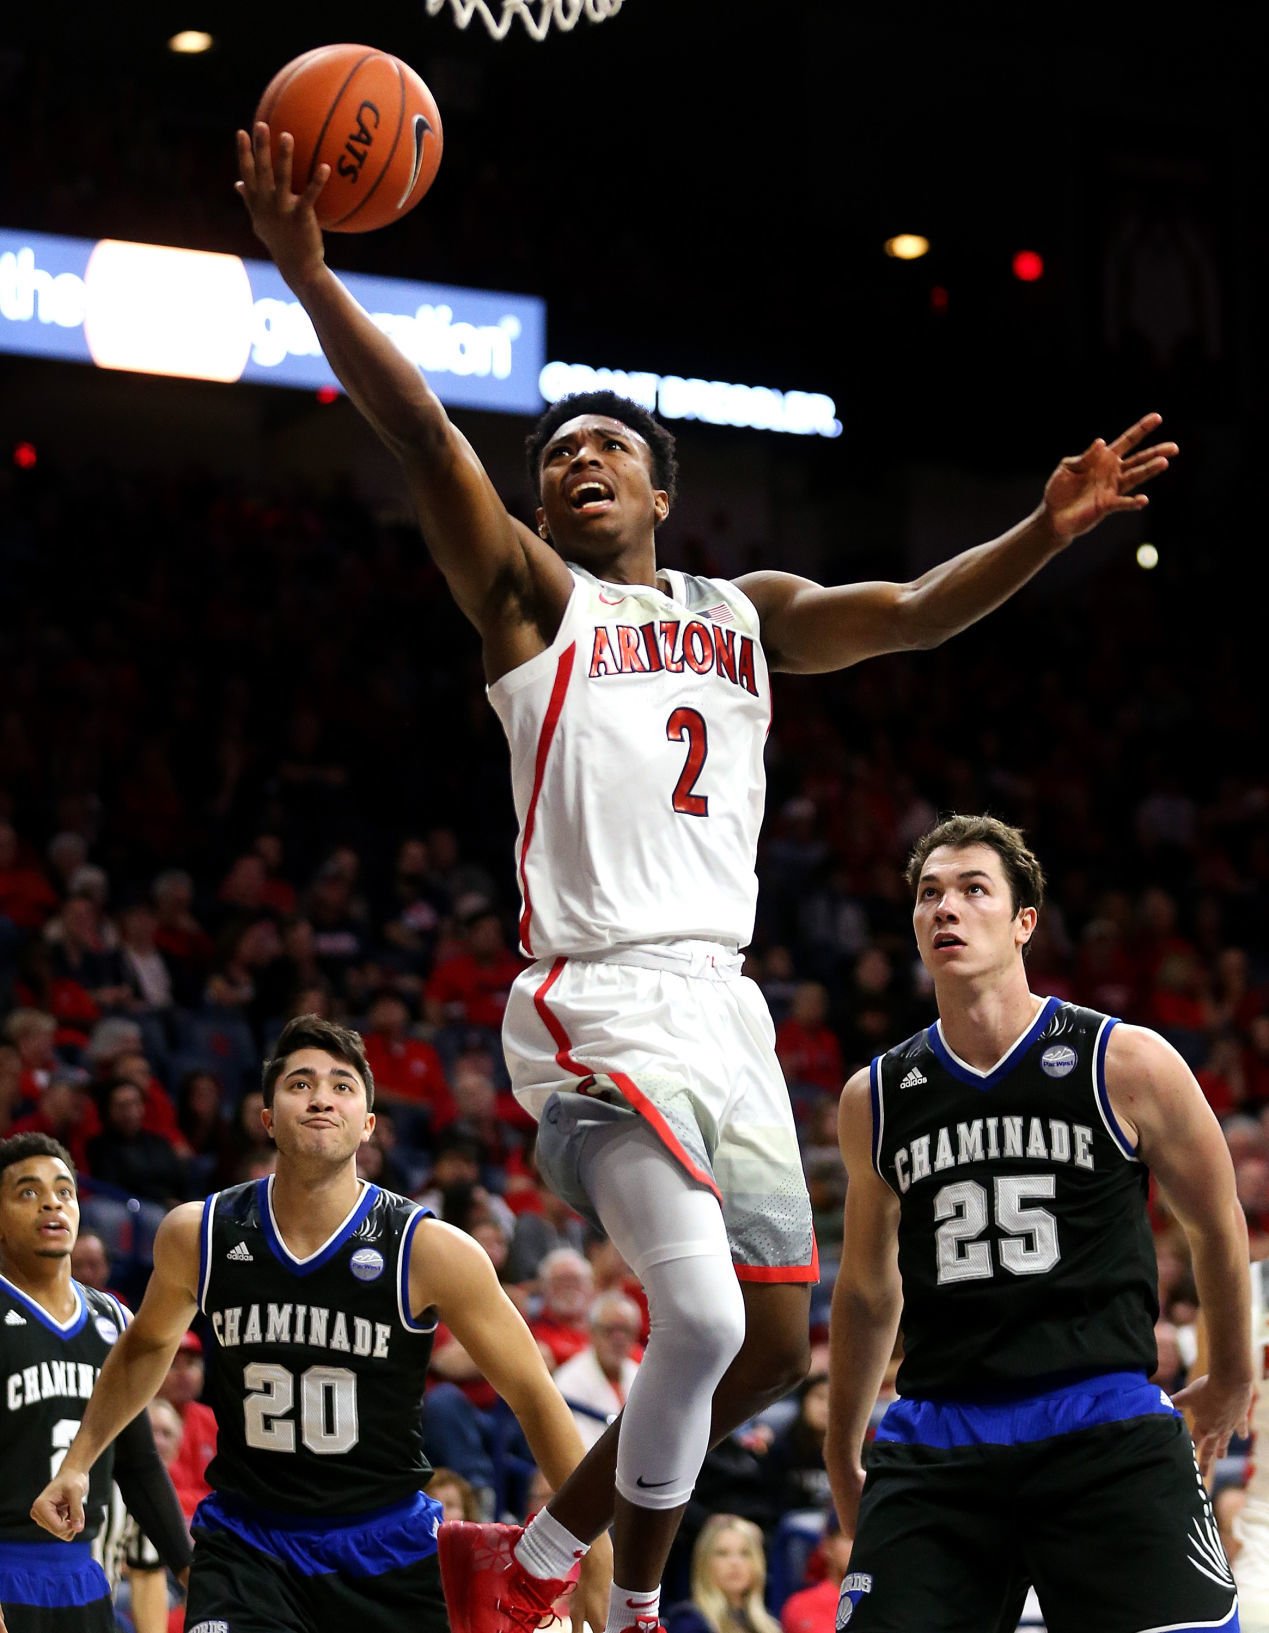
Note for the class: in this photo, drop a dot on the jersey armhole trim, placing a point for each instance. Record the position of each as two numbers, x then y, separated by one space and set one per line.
1126 1147
204 1248
408 1320
541 663
878 1118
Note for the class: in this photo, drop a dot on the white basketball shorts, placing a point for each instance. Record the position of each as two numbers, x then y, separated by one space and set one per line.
677 1035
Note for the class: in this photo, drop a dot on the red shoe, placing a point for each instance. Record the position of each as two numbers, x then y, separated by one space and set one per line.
487 1590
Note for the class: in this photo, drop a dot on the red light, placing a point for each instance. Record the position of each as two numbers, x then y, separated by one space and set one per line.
938 299
327 394
1028 267
25 456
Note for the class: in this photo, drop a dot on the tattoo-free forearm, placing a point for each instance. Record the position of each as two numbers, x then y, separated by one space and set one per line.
1219 1253
956 593
129 1381
862 1330
387 389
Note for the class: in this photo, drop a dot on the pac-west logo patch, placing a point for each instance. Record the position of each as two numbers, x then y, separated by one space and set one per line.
1059 1061
108 1329
855 1584
366 1263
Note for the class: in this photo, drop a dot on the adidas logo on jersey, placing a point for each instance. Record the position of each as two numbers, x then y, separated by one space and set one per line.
915 1076
241 1254
13 1319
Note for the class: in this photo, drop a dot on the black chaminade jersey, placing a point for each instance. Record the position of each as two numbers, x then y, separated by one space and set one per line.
49 1371
317 1367
1024 1243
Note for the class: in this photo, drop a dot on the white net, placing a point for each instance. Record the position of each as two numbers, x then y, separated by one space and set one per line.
538 16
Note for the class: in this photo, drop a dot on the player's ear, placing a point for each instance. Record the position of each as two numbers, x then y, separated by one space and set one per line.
1027 917
266 1119
369 1129
543 529
661 505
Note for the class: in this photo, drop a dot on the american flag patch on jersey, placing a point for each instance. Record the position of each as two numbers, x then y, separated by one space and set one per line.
720 614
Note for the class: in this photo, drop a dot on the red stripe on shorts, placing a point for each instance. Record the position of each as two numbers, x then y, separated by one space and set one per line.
565 1058
783 1272
563 673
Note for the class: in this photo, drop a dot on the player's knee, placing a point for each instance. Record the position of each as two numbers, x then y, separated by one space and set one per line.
709 1329
780 1362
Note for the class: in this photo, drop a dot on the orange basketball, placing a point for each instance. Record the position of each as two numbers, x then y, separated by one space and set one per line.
368 116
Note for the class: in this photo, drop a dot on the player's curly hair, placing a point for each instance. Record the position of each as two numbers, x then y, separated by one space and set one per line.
665 464
1022 867
313 1032
20 1147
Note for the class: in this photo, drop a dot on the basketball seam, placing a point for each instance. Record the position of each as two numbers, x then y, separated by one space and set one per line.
321 135
361 203
265 113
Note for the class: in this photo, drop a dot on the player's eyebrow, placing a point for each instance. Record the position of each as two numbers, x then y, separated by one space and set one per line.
932 878
34 1179
306 1071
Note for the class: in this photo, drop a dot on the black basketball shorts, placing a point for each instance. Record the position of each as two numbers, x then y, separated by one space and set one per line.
254 1577
1112 1525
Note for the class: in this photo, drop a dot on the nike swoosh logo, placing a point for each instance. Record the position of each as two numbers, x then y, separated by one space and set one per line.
615 601
651 1485
422 130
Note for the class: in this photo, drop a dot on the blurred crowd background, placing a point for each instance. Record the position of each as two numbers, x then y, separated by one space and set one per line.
247 769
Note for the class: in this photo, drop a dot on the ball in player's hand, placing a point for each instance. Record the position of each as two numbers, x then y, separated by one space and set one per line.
368 116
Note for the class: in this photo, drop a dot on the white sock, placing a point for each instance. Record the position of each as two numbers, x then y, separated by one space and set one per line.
547 1550
628 1605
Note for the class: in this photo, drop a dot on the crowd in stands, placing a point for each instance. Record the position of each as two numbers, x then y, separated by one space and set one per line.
247 771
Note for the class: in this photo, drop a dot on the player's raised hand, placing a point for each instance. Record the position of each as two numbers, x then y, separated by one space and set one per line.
1104 479
1217 1412
59 1508
284 221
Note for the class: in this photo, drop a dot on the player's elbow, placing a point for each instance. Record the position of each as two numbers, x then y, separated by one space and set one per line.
914 620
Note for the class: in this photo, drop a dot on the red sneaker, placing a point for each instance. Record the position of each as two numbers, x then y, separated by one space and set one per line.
487 1590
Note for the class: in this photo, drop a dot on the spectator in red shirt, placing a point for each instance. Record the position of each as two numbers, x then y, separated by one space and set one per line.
472 986
807 1046
64 1110
406 1069
814 1609
26 897
178 934
183 1387
562 1324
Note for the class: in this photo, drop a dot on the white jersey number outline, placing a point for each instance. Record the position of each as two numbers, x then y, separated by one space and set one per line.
1030 1245
328 1408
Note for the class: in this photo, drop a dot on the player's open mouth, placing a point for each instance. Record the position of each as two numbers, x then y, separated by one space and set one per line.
947 940
590 495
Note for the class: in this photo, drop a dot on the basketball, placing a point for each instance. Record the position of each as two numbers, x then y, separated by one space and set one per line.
368 116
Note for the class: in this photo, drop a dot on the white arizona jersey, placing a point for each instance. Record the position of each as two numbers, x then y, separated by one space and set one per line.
636 760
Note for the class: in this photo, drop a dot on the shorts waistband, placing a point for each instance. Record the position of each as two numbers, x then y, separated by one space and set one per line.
704 960
69 1556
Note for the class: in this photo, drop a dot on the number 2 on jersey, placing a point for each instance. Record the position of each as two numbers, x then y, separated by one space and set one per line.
689 724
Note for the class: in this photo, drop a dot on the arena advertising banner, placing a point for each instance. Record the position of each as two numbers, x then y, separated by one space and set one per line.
153 309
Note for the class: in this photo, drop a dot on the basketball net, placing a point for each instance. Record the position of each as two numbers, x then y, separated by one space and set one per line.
538 16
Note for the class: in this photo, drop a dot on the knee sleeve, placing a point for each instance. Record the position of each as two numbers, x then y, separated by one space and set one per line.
670 1232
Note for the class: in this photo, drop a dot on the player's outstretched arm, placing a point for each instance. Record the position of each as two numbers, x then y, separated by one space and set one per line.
498 570
133 1371
452 1272
867 1300
1160 1105
807 629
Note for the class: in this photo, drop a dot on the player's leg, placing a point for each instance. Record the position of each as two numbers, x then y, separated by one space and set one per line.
670 1230
671 1233
1121 1537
